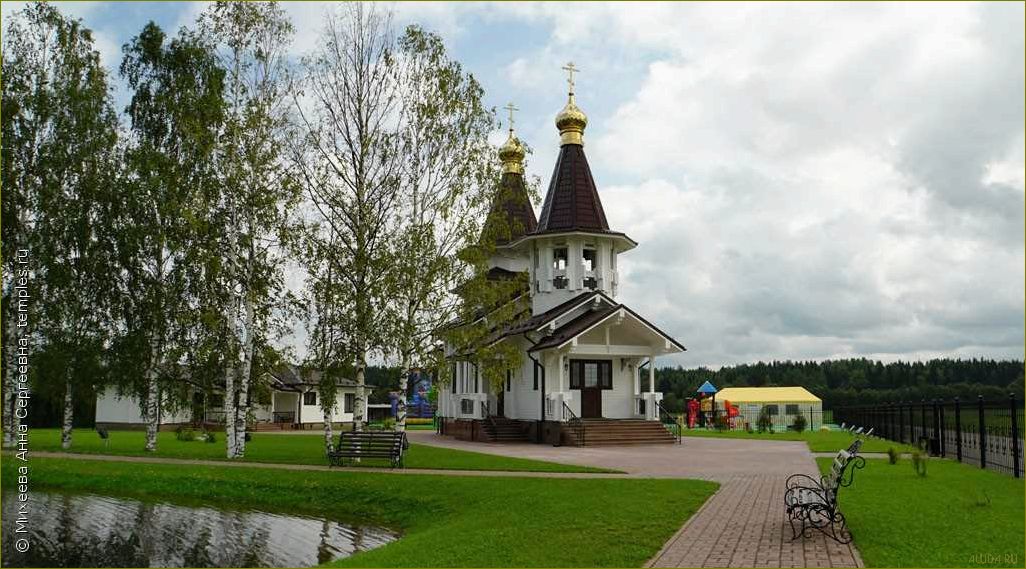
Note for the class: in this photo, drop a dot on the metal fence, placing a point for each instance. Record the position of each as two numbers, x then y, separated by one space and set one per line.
988 434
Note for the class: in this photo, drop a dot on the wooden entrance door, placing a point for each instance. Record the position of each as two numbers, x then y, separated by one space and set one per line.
591 403
500 404
592 377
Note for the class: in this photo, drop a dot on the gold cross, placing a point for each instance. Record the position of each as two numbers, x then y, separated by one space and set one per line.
569 68
510 108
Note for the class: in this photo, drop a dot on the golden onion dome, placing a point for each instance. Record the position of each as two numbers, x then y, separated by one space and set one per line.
571 122
512 154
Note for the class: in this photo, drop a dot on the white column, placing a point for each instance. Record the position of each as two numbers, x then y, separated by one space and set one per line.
559 362
651 374
636 377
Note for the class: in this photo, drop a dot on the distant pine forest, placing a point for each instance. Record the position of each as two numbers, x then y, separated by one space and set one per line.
840 383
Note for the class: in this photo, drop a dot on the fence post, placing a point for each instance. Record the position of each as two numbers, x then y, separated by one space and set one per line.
943 430
922 422
958 430
1015 435
982 433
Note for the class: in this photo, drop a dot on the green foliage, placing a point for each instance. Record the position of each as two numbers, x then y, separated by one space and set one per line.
892 455
765 421
433 513
799 423
919 461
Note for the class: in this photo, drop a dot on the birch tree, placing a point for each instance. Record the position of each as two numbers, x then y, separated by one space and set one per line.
257 194
176 114
349 162
447 176
59 137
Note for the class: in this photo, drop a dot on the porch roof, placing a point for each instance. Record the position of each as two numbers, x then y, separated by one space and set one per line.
589 320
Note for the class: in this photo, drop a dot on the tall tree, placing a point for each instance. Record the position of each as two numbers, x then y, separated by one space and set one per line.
350 164
60 132
176 114
257 193
448 171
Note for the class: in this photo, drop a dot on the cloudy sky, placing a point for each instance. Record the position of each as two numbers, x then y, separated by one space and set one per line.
806 181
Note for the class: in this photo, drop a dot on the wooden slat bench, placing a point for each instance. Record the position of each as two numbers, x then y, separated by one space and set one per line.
812 504
370 444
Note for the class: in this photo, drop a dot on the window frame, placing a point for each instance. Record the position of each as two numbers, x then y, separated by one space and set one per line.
348 402
307 395
604 381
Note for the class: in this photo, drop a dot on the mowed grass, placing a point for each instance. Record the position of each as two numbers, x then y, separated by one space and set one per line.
818 441
285 449
446 521
956 516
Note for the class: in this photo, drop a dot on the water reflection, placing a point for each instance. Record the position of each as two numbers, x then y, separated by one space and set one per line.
72 530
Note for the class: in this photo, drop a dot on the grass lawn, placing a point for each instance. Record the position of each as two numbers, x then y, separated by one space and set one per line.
818 441
288 449
957 516
446 521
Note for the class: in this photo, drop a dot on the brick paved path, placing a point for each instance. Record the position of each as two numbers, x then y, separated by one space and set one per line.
742 525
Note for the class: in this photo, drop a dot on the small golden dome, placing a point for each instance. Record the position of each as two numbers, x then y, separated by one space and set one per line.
512 155
571 122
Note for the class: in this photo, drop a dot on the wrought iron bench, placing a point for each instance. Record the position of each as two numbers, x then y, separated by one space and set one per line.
390 445
812 504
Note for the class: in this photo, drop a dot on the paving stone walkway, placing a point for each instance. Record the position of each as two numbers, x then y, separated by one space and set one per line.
742 525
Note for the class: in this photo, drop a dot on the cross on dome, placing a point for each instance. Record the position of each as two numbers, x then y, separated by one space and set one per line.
511 108
570 69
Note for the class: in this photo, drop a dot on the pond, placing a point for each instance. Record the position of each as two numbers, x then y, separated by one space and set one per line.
86 530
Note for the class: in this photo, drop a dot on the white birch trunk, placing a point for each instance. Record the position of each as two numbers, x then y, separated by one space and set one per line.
329 417
244 377
361 376
11 422
152 410
229 406
404 385
69 412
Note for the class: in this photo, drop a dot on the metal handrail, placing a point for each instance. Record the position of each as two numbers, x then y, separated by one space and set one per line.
680 427
575 423
488 413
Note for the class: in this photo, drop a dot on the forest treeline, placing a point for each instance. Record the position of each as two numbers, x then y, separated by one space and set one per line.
859 381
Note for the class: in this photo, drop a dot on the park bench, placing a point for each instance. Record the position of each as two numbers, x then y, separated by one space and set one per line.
390 445
812 504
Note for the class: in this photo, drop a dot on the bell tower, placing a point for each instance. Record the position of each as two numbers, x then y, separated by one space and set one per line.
572 251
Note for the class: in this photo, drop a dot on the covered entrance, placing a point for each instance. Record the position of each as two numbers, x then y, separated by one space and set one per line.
591 377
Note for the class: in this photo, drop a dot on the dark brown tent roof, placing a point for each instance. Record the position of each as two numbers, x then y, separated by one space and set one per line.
572 203
511 215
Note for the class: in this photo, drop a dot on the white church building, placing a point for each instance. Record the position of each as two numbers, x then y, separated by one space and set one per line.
588 375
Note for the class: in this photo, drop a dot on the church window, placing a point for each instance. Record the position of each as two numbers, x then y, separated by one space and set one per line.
310 398
349 402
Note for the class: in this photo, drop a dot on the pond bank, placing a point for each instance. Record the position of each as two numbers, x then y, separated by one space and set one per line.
521 521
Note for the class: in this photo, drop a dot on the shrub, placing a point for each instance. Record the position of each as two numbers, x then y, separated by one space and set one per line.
799 422
388 424
419 421
210 437
892 455
919 460
185 434
824 429
721 423
765 422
